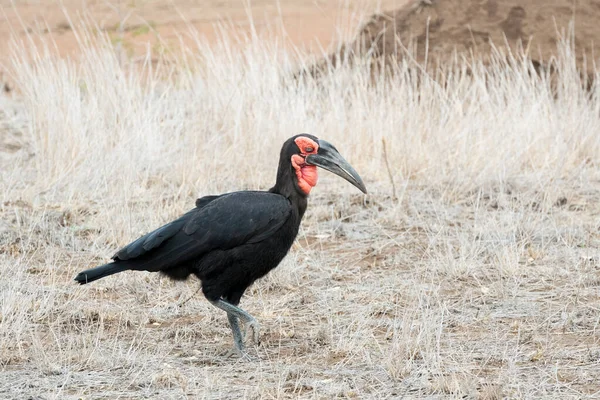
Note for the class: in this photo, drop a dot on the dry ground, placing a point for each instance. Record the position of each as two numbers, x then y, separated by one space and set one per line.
435 29
135 25
475 275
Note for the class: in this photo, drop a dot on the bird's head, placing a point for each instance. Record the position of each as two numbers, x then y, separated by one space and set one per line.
307 152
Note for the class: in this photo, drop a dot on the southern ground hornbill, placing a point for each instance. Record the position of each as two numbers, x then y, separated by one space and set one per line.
230 240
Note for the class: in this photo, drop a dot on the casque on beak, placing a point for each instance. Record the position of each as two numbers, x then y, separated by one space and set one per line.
330 159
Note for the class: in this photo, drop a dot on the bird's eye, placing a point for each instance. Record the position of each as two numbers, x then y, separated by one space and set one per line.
309 149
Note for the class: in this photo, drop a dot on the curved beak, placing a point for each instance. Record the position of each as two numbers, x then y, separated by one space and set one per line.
330 159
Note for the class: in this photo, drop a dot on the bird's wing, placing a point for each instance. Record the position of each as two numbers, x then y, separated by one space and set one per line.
154 239
240 217
225 222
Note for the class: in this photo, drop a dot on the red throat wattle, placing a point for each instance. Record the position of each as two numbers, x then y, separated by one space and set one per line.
306 174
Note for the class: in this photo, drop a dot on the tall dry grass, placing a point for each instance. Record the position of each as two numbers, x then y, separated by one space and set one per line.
189 120
461 286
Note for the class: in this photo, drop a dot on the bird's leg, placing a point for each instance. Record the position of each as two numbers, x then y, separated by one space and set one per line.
237 339
237 334
237 312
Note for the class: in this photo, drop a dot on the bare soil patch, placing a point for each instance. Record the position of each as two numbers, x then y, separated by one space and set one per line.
436 31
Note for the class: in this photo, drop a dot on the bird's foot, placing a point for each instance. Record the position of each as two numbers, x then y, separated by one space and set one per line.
239 353
255 327
247 357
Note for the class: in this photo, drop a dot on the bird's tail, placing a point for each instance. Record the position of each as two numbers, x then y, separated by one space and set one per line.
90 275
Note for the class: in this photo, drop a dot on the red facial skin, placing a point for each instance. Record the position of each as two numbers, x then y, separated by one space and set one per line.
306 174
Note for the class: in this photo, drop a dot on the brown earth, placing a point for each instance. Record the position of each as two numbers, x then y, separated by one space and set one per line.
135 25
469 26
473 27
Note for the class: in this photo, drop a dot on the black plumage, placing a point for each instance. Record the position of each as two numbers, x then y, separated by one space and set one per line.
229 241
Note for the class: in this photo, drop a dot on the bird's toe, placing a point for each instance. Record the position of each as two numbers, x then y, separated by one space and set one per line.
247 357
255 327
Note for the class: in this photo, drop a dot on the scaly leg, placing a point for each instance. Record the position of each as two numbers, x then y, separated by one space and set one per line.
233 314
237 334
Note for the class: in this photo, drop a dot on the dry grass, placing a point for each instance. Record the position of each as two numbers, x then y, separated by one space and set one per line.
480 281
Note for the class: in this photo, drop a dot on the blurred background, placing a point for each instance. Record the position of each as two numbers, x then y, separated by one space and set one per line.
310 24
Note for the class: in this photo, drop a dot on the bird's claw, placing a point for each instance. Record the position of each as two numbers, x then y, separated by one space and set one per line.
255 327
246 357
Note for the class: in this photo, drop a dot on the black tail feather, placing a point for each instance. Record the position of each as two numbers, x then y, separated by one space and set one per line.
96 273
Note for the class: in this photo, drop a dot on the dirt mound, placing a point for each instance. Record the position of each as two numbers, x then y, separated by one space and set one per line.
435 28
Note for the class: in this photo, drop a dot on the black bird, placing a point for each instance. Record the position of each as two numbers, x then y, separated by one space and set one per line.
229 241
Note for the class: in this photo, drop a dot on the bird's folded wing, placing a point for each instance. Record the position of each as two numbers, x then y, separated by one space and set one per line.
225 222
154 239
